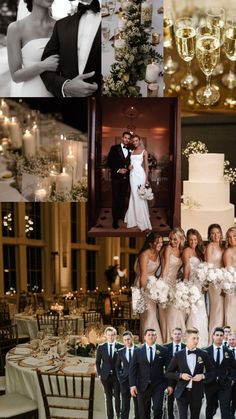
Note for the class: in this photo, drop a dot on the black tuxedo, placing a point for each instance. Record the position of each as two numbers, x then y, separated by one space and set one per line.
171 398
149 378
193 397
106 369
119 182
64 43
219 387
122 368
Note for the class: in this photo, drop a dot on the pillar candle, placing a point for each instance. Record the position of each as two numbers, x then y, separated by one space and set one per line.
4 107
122 22
53 175
5 126
152 71
71 163
36 133
63 182
29 144
15 133
40 195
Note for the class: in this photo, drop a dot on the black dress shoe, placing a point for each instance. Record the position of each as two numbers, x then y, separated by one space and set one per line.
115 224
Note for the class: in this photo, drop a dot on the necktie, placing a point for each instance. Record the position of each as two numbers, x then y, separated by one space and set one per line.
233 350
218 356
176 348
110 354
151 357
130 354
94 6
225 344
191 352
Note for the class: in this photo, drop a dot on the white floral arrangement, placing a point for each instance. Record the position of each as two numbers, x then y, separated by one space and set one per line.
187 297
189 202
206 274
227 279
194 147
78 193
139 305
229 173
158 290
145 192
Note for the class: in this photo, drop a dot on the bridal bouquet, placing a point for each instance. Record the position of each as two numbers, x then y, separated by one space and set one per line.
187 297
206 274
145 192
138 301
158 290
227 279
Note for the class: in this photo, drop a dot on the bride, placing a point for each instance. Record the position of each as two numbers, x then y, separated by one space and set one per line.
137 214
26 40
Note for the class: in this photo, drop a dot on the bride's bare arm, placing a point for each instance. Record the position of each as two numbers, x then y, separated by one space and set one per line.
227 258
166 262
186 264
145 163
18 73
143 262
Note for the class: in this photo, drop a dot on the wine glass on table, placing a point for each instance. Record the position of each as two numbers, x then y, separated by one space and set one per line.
105 36
229 80
170 66
185 37
208 53
111 8
61 349
215 16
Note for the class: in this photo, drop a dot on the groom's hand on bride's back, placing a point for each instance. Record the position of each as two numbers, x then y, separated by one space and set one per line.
79 87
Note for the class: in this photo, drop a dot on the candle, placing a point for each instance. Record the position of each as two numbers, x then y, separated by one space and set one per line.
15 133
156 38
29 144
4 107
152 71
63 182
71 163
40 195
146 13
122 22
53 175
152 89
126 4
86 169
36 133
5 126
1 116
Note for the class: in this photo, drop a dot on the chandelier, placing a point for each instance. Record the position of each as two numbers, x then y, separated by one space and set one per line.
131 113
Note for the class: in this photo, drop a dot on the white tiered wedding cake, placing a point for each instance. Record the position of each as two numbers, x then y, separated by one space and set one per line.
206 194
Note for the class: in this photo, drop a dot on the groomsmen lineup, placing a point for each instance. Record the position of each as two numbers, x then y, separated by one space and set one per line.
154 376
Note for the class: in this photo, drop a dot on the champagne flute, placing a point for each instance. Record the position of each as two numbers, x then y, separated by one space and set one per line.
208 53
111 8
229 80
105 35
170 66
215 16
185 36
61 349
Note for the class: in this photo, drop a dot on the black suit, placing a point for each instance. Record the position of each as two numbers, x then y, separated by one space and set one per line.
119 182
171 398
219 388
149 378
106 371
64 43
193 397
122 368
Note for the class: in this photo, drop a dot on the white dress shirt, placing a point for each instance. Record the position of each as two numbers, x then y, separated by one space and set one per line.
191 361
127 352
125 151
215 352
233 351
174 347
113 348
148 352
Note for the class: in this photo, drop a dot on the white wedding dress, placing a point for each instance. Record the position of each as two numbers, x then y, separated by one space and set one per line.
198 319
137 214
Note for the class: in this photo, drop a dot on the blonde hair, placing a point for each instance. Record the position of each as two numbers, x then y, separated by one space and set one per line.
179 232
230 230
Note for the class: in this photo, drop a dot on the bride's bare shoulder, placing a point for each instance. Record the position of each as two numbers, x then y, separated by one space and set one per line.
16 28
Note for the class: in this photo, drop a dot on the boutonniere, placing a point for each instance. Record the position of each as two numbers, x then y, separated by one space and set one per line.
115 350
199 360
226 355
158 352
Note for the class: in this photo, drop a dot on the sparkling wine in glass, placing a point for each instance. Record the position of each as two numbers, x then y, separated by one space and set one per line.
185 37
229 80
111 8
208 53
170 66
215 16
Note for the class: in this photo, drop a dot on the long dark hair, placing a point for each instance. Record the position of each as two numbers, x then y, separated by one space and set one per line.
149 241
210 228
29 5
200 247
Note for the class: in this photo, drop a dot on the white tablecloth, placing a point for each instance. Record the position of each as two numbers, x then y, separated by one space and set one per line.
108 56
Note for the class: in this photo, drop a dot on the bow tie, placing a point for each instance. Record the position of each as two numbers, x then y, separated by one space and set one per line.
94 6
192 352
125 146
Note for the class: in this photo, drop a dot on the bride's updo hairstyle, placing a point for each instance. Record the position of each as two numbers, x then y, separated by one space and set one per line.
230 230
179 233
209 232
200 246
29 5
151 238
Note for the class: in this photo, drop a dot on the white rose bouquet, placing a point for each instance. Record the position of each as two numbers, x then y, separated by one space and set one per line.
158 290
187 297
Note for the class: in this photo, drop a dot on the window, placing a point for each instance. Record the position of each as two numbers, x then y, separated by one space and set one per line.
8 219
132 274
74 270
34 269
91 270
9 268
74 222
32 220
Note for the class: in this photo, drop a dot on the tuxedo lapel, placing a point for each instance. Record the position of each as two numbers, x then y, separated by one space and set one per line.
185 364
120 152
69 50
144 351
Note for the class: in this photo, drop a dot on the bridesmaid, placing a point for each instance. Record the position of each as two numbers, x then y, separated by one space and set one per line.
213 254
147 264
170 317
193 254
229 259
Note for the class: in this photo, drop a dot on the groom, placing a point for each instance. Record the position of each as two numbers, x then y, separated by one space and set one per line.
118 162
77 41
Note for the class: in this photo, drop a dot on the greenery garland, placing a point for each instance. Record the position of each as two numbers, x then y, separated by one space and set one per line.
133 59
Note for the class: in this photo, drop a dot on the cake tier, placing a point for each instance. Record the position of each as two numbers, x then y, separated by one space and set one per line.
209 195
208 166
201 219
